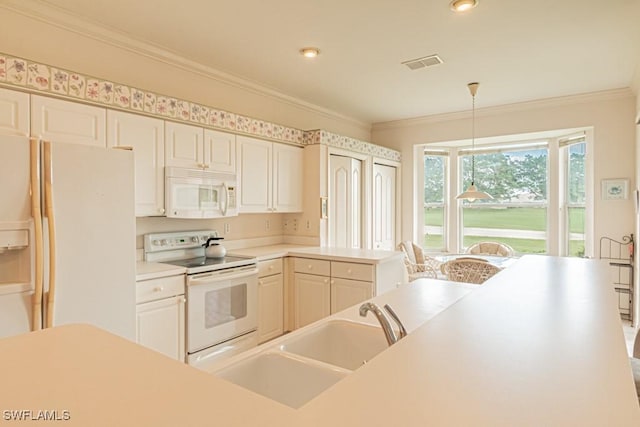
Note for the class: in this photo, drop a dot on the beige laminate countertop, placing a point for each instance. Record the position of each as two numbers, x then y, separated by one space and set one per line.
367 256
153 270
539 344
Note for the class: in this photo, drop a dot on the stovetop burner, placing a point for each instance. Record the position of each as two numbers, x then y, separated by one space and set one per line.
223 262
185 249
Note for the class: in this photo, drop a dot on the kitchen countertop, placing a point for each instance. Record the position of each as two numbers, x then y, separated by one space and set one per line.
539 344
366 256
264 253
153 270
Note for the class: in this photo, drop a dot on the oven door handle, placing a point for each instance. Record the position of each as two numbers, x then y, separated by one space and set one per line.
213 277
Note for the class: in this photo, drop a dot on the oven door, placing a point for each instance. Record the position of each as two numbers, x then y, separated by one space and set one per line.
221 305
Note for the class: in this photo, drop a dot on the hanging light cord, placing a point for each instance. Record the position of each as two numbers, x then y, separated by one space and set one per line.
473 139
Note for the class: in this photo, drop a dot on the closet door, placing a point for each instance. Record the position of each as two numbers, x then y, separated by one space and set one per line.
345 202
384 207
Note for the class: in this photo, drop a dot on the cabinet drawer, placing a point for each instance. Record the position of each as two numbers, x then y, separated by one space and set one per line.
154 289
312 266
350 270
269 267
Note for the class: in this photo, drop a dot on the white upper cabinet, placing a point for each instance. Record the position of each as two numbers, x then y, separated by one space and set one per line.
254 160
197 148
14 113
287 178
270 176
146 136
219 151
184 146
70 122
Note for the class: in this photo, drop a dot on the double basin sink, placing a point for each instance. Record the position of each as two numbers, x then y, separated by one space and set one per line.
306 364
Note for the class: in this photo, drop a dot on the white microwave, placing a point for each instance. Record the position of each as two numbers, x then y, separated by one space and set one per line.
194 193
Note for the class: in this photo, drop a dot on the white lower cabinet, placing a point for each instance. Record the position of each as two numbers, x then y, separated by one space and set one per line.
345 293
160 315
312 298
270 300
325 287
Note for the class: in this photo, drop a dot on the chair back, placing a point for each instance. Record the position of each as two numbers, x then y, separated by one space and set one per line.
469 270
418 264
491 248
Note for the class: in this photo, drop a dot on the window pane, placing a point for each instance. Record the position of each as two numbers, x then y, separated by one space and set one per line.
576 199
517 214
434 198
434 227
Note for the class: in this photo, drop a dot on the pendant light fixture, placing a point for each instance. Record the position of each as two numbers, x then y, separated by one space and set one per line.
472 192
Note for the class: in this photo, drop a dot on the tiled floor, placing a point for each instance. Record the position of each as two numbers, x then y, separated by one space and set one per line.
629 335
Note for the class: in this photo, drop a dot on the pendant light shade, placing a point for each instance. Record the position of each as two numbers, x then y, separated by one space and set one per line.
472 193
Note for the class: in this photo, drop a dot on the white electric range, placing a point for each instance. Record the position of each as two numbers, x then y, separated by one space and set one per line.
221 293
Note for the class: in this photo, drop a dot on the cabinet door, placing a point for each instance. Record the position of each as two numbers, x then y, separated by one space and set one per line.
184 145
384 207
270 307
220 151
63 121
14 113
287 178
255 174
146 136
345 202
160 326
345 293
312 298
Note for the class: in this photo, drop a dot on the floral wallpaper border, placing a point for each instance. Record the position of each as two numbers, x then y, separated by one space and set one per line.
324 137
33 76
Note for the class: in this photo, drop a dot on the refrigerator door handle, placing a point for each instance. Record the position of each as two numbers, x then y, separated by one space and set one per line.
36 214
48 211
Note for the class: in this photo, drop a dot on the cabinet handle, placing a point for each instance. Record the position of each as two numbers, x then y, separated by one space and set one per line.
349 271
271 267
333 282
161 210
310 267
260 282
158 289
182 300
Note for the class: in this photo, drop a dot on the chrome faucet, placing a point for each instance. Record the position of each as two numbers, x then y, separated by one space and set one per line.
389 333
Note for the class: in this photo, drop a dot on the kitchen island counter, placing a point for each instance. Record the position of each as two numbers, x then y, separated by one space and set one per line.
540 343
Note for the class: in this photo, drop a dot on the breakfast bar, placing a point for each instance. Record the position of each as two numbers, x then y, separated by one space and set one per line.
539 344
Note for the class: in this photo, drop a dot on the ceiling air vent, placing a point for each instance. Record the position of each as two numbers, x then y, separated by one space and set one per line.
426 61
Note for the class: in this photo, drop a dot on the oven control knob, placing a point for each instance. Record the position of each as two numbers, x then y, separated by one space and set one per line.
164 242
156 243
194 239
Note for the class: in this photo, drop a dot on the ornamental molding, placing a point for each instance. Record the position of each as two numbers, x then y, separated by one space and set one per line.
35 77
319 136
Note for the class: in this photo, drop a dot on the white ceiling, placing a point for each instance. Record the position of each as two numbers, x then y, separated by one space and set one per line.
518 50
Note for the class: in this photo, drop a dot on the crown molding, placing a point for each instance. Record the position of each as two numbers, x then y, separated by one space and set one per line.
605 95
42 11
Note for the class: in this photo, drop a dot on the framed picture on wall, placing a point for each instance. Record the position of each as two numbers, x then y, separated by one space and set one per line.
613 189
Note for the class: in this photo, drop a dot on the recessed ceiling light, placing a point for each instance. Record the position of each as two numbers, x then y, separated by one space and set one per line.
462 5
310 52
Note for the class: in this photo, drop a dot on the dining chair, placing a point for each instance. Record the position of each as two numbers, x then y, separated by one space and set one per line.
417 263
469 270
491 248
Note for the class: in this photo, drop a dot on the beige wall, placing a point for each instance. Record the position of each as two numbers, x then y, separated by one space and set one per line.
611 114
33 39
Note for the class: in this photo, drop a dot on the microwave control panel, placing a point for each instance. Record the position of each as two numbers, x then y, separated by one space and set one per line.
232 196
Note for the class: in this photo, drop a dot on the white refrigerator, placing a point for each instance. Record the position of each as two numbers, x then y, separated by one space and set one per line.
67 237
